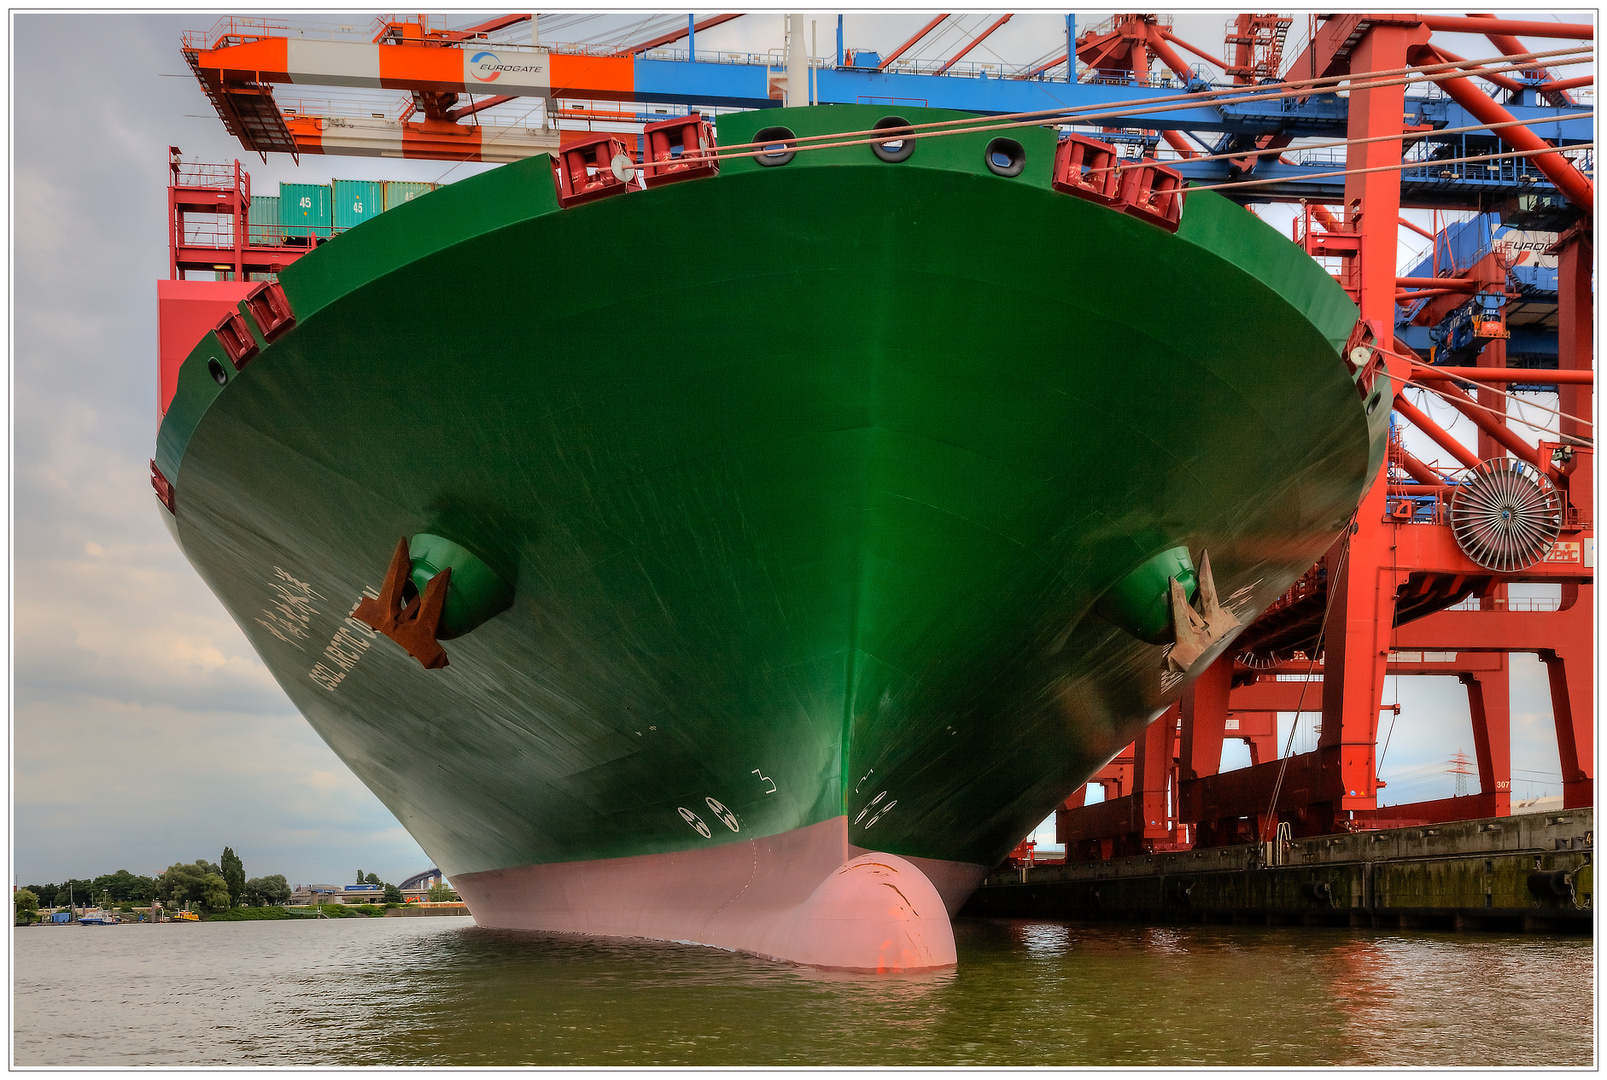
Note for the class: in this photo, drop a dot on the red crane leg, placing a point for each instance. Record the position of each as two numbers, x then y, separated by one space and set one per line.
1205 718
1356 654
1574 356
1568 668
1362 593
1574 327
1152 767
1373 200
1490 705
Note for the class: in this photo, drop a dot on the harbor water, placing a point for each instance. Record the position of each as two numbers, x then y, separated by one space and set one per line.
445 992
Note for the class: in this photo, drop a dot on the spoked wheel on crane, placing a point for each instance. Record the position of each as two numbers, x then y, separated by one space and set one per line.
1506 515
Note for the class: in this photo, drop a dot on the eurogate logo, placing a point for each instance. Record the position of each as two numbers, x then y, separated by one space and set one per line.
488 67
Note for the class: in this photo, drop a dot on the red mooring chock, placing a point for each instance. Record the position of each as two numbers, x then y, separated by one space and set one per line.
695 138
414 625
1152 192
237 340
593 169
270 307
1086 168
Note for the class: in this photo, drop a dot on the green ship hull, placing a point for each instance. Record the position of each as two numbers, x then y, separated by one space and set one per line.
811 485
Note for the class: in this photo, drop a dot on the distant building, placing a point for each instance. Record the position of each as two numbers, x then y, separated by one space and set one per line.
338 894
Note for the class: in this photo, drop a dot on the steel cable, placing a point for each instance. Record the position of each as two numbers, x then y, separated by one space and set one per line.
1090 114
1335 579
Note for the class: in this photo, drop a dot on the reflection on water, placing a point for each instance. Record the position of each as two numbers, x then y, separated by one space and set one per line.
442 991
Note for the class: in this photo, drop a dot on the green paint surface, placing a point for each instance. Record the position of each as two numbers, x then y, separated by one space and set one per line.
807 481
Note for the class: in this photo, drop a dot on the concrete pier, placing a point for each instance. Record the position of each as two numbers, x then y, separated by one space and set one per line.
1527 872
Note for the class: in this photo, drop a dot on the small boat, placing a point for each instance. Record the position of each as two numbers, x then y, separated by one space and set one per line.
97 917
186 916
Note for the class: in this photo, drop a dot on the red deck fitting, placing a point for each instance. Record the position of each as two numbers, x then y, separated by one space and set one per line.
594 169
268 305
237 339
1150 192
164 489
1086 168
695 137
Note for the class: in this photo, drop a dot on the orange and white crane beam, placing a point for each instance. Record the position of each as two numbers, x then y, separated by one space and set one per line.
431 139
518 71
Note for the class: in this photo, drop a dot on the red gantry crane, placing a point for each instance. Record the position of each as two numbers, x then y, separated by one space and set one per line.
1419 584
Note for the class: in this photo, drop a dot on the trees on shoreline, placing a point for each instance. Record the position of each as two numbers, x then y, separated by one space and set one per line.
209 886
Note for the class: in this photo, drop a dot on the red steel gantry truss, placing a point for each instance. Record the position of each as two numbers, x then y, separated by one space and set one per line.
1397 594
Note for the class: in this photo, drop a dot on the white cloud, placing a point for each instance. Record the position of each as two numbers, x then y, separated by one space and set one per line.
99 782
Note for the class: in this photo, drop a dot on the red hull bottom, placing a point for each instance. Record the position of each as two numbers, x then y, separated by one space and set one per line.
806 896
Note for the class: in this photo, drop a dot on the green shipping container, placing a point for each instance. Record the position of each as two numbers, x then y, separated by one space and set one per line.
264 219
304 210
398 192
357 200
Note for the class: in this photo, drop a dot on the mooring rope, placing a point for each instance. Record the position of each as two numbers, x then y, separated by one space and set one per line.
1237 95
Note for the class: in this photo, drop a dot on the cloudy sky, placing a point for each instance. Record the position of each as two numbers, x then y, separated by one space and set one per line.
145 731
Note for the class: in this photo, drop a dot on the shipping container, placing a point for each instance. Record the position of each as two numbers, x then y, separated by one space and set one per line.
264 219
304 210
357 200
398 192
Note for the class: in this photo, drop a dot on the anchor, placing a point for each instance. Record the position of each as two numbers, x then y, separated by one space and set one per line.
1197 631
412 625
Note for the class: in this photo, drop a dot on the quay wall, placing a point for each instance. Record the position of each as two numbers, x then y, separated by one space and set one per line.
1526 872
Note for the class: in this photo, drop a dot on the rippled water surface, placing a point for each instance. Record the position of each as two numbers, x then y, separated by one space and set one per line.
441 991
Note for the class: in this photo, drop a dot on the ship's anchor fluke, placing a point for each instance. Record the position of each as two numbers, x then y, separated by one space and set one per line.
413 624
1197 631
